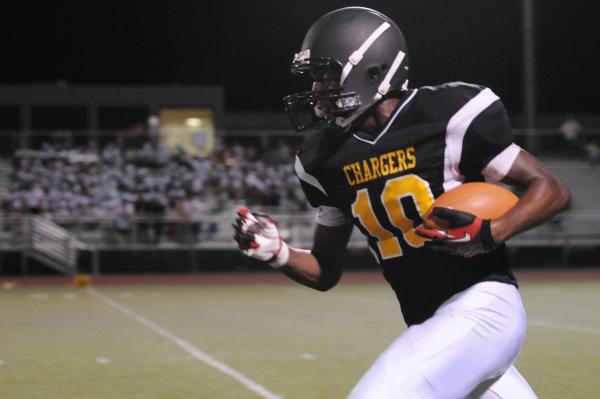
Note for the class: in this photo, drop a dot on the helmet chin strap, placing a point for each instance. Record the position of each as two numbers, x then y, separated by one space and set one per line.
345 123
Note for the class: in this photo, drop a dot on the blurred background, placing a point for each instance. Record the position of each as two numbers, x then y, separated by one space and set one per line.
131 131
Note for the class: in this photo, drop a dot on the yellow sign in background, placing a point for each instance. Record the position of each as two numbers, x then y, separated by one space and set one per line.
190 128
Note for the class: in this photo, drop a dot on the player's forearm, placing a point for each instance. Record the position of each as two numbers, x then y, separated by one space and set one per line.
545 196
258 237
304 268
304 264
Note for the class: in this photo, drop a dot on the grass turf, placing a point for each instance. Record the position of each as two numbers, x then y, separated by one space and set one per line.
61 342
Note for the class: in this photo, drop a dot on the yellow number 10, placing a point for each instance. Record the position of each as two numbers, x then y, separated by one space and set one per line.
411 186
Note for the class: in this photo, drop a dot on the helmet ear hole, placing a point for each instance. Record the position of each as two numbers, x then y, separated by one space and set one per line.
384 67
373 73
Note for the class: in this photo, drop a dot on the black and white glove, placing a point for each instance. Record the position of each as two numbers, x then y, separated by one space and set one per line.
257 237
462 234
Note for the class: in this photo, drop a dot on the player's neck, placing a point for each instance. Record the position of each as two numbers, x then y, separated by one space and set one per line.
379 116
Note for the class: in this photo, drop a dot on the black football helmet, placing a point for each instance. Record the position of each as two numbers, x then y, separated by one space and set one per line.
353 57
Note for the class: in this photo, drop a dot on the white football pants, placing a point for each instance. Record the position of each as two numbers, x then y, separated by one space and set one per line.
465 350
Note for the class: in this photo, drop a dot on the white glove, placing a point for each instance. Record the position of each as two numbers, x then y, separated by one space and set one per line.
257 237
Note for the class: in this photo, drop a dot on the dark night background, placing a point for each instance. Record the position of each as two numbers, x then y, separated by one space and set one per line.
247 46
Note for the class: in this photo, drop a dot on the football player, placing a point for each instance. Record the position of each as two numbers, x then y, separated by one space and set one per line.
380 154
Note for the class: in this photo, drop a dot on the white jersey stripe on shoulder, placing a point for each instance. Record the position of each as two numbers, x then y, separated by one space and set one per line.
307 178
499 166
455 133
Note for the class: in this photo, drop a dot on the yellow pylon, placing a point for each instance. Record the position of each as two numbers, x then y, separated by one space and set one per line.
82 280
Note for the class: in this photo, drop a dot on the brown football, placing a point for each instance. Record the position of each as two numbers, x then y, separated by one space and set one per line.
486 200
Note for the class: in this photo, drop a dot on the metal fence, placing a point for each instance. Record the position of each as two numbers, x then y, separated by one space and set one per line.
567 232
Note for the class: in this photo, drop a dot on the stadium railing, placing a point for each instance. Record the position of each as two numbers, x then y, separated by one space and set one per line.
567 232
578 227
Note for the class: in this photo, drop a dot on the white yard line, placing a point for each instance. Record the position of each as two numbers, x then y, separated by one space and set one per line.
565 327
308 356
186 346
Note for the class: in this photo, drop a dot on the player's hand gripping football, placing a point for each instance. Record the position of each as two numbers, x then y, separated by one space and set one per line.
257 237
458 233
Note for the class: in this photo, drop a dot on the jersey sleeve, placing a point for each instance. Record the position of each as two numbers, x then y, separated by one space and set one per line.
313 189
499 166
331 216
487 146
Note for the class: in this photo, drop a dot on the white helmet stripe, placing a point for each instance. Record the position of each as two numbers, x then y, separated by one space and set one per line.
356 56
385 84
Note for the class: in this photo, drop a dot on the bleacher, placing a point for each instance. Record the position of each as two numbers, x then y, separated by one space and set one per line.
582 178
579 225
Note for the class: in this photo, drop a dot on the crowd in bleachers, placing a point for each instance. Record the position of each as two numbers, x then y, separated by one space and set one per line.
150 181
578 145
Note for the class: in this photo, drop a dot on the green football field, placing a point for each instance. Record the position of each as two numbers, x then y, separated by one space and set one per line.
253 340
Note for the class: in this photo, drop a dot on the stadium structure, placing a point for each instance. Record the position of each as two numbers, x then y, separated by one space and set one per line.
100 179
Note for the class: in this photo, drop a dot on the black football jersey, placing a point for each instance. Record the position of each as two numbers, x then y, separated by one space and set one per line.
436 139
